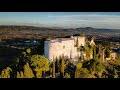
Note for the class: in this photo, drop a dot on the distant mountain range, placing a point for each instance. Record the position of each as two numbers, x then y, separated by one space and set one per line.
90 29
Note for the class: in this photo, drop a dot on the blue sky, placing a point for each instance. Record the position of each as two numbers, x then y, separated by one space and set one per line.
62 19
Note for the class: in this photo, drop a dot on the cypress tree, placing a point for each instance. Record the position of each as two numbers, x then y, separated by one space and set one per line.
115 73
94 53
6 73
28 71
87 53
21 74
18 75
56 65
77 73
67 75
53 68
62 66
77 43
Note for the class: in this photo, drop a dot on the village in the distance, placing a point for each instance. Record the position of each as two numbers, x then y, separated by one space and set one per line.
43 52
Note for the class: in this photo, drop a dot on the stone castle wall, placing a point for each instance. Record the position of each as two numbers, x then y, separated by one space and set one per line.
81 40
57 48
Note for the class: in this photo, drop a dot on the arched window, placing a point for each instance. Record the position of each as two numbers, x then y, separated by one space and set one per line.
64 47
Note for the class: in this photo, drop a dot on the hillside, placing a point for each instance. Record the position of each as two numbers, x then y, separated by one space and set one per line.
38 32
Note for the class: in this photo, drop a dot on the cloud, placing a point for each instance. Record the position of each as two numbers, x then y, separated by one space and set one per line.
63 20
85 17
96 20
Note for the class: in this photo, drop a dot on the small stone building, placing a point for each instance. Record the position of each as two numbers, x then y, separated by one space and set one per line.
112 56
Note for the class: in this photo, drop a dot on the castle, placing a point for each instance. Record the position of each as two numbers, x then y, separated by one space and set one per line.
68 47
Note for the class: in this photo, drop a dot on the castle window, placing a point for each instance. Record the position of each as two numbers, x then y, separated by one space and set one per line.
64 47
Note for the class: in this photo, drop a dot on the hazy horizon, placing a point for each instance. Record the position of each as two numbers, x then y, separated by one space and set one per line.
106 20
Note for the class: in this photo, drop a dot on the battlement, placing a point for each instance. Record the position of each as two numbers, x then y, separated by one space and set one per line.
60 40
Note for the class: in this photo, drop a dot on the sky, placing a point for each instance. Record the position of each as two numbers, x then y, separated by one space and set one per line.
110 20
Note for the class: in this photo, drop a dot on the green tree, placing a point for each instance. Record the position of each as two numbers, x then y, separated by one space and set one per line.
67 75
39 64
28 73
67 62
115 73
81 48
77 73
62 66
81 35
95 68
28 50
79 66
57 65
77 43
89 52
84 73
99 70
38 73
51 72
94 54
53 69
18 75
107 52
6 73
24 54
21 74
49 37
86 40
